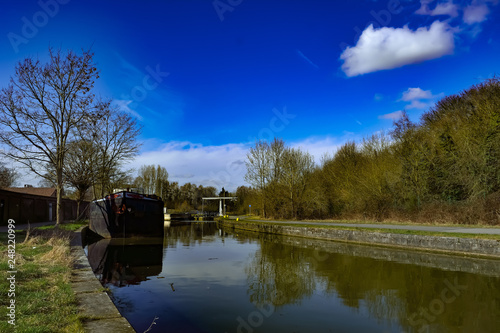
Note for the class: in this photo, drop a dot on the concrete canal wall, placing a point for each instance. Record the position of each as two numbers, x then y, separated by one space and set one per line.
94 303
442 261
463 246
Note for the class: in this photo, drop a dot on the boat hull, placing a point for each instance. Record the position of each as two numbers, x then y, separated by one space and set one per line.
127 214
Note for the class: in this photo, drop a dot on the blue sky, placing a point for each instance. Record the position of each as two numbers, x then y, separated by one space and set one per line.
206 78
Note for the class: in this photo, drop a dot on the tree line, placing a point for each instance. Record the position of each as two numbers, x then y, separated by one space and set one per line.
445 167
153 179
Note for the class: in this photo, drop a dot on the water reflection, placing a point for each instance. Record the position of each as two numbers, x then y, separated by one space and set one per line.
203 278
190 233
279 274
459 294
123 262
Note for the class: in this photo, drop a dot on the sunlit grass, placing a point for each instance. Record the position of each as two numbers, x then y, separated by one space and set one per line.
69 226
392 231
44 299
390 222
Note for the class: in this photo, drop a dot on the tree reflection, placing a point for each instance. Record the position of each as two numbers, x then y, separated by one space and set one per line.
288 270
189 233
279 274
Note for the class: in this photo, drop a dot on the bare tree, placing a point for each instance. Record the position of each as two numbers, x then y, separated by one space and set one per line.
42 106
79 168
296 168
277 149
259 169
153 179
7 176
114 136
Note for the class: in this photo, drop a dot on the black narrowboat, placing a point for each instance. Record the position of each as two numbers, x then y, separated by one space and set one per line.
127 214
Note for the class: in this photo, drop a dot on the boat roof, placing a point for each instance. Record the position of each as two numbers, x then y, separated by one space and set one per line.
131 195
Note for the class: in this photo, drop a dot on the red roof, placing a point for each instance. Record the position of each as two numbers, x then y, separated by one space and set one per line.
41 191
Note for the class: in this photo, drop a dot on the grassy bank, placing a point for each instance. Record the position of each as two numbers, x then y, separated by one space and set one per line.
355 221
44 300
257 220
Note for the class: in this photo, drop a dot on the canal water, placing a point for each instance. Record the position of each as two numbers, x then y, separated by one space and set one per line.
203 278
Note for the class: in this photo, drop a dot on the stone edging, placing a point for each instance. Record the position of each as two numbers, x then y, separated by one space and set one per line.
94 304
464 246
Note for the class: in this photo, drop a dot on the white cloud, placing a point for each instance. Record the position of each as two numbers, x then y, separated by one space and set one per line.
218 166
446 8
416 104
318 147
424 7
392 116
419 98
475 13
388 48
416 93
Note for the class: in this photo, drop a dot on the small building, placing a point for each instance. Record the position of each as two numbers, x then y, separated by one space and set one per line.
33 204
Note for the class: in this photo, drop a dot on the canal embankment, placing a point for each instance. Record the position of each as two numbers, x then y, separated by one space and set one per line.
322 248
94 304
59 290
463 245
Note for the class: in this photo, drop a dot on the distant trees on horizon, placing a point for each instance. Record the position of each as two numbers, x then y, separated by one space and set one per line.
154 180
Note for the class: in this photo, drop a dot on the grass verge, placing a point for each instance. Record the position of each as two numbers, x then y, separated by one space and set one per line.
44 300
392 231
391 222
73 226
